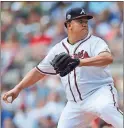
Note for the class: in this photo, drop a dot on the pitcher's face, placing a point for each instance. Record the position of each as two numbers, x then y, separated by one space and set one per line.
79 26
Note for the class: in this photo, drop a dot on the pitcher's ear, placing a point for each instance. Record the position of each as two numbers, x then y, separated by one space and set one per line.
69 25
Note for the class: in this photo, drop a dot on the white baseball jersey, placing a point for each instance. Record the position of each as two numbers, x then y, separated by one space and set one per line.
85 80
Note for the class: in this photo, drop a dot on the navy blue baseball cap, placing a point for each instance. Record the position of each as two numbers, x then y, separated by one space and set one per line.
76 13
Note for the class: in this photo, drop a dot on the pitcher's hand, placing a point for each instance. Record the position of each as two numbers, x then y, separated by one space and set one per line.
11 94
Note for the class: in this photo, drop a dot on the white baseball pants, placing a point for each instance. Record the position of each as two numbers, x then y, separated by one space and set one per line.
102 104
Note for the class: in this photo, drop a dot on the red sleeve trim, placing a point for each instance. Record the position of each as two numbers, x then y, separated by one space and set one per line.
45 72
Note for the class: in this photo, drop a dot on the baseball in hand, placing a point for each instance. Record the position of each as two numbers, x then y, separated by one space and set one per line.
9 99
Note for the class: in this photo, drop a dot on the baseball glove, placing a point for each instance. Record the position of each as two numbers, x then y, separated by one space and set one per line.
64 64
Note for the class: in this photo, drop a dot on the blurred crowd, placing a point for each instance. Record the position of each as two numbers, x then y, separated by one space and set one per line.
28 31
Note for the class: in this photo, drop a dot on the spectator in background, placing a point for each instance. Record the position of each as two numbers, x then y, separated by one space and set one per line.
52 110
6 119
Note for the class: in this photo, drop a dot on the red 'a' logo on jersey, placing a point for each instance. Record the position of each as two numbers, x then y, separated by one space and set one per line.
83 54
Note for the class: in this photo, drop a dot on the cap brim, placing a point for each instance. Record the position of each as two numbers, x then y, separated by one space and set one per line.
84 17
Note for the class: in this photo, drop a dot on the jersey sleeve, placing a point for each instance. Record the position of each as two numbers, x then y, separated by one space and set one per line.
44 66
100 46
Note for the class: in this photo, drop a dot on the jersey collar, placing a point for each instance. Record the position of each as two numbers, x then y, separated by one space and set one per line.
79 40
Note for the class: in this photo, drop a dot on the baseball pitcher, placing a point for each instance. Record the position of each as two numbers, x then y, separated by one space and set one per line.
82 62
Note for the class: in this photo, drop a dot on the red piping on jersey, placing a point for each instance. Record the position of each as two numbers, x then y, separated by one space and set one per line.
77 86
75 69
70 87
81 43
111 89
65 48
68 74
103 52
45 72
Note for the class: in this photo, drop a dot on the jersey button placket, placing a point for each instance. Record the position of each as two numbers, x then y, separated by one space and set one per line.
69 51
